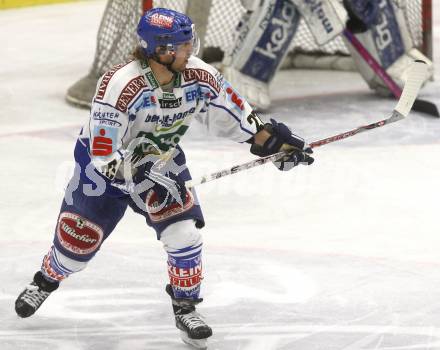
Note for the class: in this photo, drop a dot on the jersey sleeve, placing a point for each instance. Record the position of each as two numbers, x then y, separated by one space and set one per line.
229 115
108 123
107 127
224 113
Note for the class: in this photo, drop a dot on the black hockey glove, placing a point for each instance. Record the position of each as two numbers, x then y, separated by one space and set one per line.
362 14
282 139
167 184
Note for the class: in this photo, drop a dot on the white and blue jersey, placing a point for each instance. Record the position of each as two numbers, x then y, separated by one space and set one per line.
129 103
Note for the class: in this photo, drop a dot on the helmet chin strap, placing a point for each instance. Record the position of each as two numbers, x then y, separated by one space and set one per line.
156 58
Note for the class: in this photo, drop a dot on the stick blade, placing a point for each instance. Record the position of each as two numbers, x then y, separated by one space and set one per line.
414 80
426 107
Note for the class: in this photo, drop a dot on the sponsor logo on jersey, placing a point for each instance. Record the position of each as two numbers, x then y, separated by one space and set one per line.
167 121
234 97
147 101
170 103
129 92
103 140
106 79
106 118
152 80
77 234
162 21
196 93
203 76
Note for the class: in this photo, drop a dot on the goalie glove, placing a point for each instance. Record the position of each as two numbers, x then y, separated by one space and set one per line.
281 139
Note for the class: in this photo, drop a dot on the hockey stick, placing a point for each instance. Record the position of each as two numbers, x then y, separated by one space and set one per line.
408 96
419 105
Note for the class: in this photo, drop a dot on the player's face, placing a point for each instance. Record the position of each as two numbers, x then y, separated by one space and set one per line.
182 54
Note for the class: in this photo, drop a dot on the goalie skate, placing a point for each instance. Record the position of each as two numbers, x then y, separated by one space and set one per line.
31 298
193 329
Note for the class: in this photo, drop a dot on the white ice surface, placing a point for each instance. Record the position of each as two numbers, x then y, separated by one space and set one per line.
340 255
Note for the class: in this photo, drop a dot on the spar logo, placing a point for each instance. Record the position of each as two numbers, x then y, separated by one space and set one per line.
77 234
103 140
161 21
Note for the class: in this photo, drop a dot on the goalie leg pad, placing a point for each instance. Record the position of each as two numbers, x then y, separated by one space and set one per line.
263 38
389 42
183 243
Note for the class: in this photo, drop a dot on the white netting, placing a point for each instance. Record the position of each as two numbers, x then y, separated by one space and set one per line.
117 35
225 14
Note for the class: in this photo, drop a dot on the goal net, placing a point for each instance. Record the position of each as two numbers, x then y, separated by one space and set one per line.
117 37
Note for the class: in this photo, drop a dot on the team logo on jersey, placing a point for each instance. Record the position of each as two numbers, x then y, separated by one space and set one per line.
162 21
77 234
166 138
103 140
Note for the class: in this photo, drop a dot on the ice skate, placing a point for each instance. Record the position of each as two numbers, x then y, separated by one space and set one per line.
193 329
34 295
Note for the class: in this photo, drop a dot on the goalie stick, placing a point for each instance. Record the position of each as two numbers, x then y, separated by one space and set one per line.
419 105
409 94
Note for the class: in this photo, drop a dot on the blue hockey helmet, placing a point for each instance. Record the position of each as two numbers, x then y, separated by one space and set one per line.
166 29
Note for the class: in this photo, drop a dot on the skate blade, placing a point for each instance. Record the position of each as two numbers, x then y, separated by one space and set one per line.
197 343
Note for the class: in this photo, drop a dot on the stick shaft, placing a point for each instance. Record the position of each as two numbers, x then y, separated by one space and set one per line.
407 97
394 118
260 161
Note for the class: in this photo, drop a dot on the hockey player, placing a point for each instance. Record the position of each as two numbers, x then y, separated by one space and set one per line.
268 27
128 154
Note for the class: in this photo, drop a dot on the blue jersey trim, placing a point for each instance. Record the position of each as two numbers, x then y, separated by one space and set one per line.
233 116
137 98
